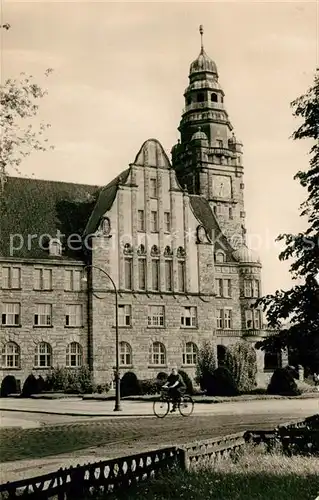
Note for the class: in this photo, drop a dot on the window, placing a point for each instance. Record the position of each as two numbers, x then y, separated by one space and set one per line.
214 97
72 280
190 354
230 213
155 316
168 275
43 279
43 356
248 291
11 314
157 354
142 274
220 143
124 315
249 319
128 274
167 222
155 274
272 360
73 315
219 319
219 287
227 288
189 317
256 291
220 257
10 355
200 97
181 275
154 224
125 354
227 318
11 277
140 220
224 319
256 319
221 355
153 188
43 315
74 355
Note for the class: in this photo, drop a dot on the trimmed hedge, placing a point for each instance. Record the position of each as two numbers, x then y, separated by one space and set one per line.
71 380
222 383
130 385
283 383
188 382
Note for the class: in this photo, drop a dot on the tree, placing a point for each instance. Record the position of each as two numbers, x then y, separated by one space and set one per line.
19 137
206 364
241 361
300 304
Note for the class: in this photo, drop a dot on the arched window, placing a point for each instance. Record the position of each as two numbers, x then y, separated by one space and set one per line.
74 355
55 248
157 354
214 97
190 354
43 355
221 355
220 256
10 355
125 354
272 360
200 97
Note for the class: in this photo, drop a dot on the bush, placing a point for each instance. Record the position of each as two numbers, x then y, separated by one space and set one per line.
205 366
162 377
130 385
150 387
9 385
283 383
241 361
70 380
188 382
30 386
102 388
222 383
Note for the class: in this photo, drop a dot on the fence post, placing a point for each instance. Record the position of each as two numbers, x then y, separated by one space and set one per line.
184 459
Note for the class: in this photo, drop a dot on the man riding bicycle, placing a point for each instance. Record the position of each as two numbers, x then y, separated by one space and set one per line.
176 387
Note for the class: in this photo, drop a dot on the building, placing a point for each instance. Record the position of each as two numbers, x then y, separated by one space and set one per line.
172 237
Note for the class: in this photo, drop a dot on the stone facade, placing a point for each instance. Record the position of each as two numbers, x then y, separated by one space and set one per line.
172 238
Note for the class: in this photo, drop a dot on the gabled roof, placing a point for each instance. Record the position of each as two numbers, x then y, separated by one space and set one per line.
42 208
206 216
105 201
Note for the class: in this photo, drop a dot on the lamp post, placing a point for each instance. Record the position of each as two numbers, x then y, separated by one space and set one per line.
117 406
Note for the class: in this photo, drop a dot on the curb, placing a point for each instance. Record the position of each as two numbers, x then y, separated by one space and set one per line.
72 414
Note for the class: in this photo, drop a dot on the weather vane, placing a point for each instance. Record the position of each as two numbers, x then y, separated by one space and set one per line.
201 30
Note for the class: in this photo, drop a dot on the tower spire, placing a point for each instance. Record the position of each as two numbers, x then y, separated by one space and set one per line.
201 30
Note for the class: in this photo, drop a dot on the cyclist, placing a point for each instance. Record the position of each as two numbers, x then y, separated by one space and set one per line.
175 386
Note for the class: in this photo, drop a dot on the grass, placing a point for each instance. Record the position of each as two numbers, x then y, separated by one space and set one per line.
256 476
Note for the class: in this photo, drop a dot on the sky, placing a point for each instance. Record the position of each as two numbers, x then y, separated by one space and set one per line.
120 71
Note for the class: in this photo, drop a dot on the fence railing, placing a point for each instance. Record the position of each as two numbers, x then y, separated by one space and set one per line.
76 483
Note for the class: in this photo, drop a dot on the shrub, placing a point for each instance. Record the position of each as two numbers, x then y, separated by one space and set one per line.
188 382
150 387
241 361
283 383
205 366
30 386
102 388
130 385
70 380
9 385
222 383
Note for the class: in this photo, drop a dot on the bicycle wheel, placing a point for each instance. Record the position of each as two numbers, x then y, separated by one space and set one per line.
161 408
186 406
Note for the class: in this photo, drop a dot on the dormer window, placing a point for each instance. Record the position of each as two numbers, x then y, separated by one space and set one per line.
214 97
105 226
55 248
220 256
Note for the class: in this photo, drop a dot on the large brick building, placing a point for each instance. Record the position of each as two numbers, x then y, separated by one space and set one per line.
172 237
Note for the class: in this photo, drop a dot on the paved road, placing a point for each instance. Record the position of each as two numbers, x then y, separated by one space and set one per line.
69 440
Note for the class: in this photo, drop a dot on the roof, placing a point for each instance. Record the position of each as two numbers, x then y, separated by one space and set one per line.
105 201
205 215
42 208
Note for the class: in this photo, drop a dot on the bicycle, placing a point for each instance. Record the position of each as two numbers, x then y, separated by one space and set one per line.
161 406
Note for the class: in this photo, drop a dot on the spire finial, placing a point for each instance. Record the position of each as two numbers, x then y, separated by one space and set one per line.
201 30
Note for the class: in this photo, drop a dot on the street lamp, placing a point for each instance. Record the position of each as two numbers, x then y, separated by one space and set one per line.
117 406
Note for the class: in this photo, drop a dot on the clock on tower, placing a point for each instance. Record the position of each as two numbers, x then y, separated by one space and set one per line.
222 186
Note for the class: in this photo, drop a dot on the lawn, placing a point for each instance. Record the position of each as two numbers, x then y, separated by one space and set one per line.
256 476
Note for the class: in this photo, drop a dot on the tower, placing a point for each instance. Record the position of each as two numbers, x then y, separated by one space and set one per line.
208 157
